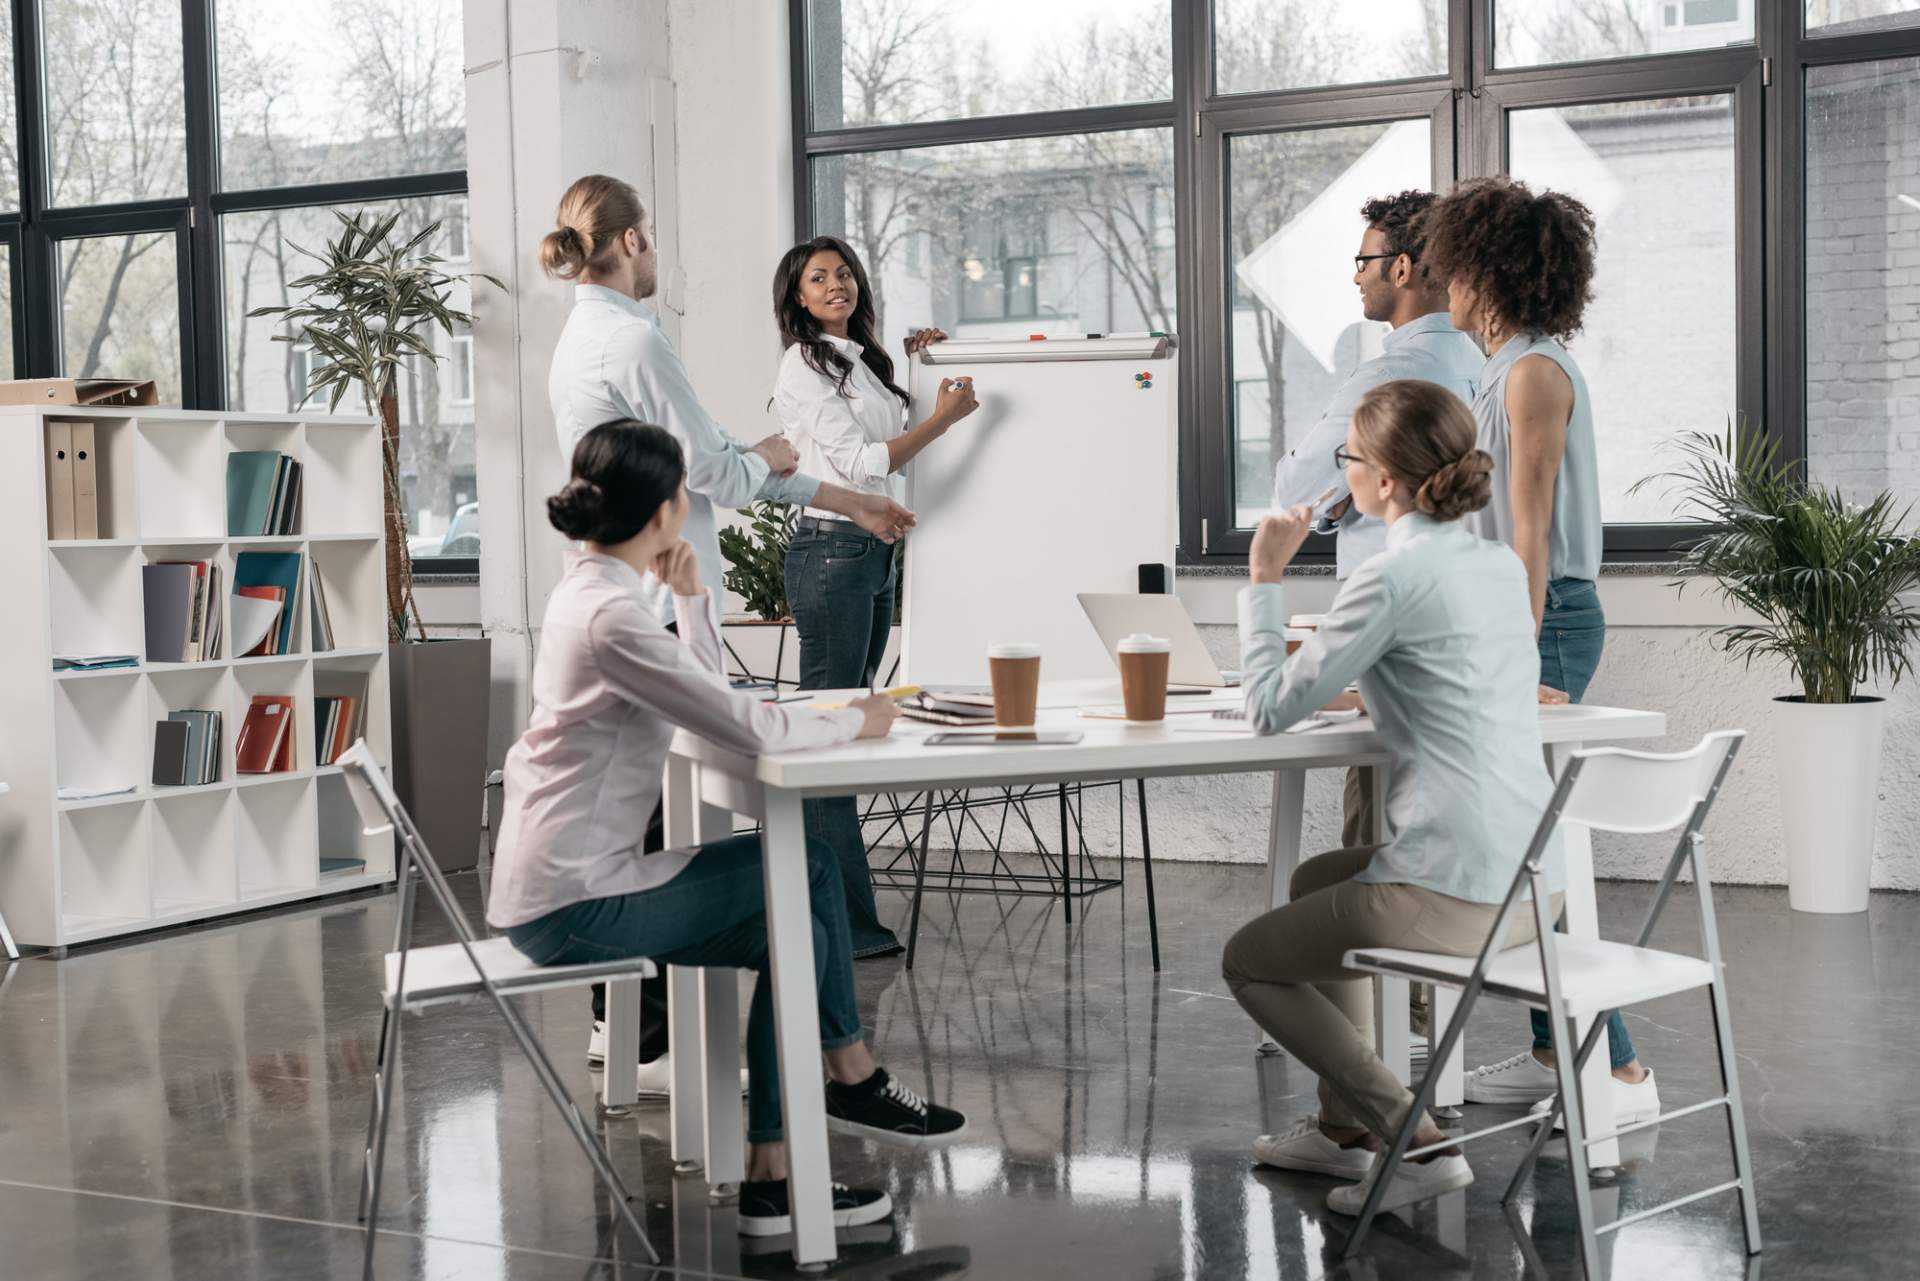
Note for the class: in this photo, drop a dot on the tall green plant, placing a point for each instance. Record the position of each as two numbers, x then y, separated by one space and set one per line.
1827 577
363 314
757 559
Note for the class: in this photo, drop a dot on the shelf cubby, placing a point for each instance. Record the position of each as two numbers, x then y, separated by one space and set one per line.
193 865
83 870
183 479
343 480
103 871
94 604
275 838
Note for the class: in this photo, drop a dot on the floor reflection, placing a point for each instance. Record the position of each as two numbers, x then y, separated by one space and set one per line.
195 1105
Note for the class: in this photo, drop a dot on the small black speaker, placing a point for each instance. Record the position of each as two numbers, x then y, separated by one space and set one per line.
1155 580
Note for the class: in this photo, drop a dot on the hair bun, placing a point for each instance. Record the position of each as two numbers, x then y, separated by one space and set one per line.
1461 486
579 510
564 252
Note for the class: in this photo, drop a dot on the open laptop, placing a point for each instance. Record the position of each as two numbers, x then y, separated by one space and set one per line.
1118 615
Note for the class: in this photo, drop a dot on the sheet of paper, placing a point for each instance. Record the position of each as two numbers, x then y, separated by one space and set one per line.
253 617
87 791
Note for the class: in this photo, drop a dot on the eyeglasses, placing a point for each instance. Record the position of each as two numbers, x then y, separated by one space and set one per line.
1342 458
1360 261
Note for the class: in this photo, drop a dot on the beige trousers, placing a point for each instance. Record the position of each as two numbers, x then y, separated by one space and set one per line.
1356 827
1285 969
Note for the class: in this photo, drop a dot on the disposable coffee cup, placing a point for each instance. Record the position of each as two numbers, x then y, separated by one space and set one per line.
1143 676
1015 670
1296 637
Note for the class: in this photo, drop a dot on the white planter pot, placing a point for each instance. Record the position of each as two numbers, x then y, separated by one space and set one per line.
1828 756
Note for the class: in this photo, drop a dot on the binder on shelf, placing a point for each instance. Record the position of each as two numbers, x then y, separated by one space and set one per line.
272 569
59 480
170 753
266 737
78 391
86 500
168 588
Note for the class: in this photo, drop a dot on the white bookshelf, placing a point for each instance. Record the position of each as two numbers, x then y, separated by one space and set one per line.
75 871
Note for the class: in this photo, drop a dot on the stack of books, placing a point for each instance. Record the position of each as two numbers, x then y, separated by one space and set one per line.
333 727
183 615
186 749
949 708
263 493
266 737
266 596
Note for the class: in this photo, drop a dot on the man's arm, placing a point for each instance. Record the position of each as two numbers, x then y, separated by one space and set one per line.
1308 470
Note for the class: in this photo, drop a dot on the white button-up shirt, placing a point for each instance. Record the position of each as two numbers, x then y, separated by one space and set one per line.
1439 631
840 438
610 686
613 362
1427 348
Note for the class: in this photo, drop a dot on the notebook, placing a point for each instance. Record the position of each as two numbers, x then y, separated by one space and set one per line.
168 595
266 740
169 753
273 569
250 485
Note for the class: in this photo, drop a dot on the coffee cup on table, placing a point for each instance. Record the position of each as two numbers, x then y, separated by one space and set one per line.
1014 667
1143 676
1301 626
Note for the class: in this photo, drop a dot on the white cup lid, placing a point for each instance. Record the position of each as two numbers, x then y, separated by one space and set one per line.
1306 621
1013 649
1141 643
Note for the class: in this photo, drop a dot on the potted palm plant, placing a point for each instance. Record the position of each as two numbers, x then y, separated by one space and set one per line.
365 313
1828 582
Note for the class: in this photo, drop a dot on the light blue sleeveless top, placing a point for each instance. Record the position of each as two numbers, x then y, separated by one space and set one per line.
1574 539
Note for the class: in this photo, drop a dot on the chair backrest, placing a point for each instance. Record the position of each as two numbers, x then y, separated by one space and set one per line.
372 794
1618 790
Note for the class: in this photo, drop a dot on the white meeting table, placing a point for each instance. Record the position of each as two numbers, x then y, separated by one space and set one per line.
707 787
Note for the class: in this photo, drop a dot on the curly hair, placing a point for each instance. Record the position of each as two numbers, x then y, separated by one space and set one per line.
1528 256
1398 219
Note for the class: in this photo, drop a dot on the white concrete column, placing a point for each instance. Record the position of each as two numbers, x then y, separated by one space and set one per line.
555 89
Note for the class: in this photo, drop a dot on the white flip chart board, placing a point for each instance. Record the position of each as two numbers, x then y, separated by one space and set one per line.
1062 482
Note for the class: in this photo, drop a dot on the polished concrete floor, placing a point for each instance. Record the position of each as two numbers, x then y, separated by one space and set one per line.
192 1106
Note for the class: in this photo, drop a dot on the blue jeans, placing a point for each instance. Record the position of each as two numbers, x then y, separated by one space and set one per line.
1573 631
714 913
840 589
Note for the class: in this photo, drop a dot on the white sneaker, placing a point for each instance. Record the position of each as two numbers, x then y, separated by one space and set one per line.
1304 1147
1633 1102
656 1078
1520 1079
1413 1181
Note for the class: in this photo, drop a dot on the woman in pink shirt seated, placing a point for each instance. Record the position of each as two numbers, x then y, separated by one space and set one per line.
570 883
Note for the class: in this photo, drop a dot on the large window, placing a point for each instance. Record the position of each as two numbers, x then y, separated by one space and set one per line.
1199 166
162 155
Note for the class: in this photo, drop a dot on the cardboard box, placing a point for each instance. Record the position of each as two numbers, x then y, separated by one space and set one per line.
78 391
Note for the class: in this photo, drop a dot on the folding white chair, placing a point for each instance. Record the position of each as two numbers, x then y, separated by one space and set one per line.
419 977
1611 790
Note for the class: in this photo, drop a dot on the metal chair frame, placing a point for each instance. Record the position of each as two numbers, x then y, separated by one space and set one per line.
1688 850
381 810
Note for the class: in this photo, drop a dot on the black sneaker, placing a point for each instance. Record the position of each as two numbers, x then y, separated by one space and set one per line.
764 1211
882 1109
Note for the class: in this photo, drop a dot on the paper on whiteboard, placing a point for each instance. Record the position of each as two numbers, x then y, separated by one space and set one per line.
253 617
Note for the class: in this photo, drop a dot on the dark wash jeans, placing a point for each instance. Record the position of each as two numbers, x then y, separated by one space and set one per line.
840 585
1573 632
714 913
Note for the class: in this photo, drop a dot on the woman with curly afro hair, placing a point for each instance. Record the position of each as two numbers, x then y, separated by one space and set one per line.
1518 267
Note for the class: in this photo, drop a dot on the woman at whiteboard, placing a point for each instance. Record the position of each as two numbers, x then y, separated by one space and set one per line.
847 419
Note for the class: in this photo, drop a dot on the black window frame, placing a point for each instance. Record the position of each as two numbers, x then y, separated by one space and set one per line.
1766 80
33 230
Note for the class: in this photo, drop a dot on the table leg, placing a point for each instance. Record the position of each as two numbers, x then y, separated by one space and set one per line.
1583 921
1066 864
1450 1091
688 1100
797 1023
1283 848
620 1082
726 1141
